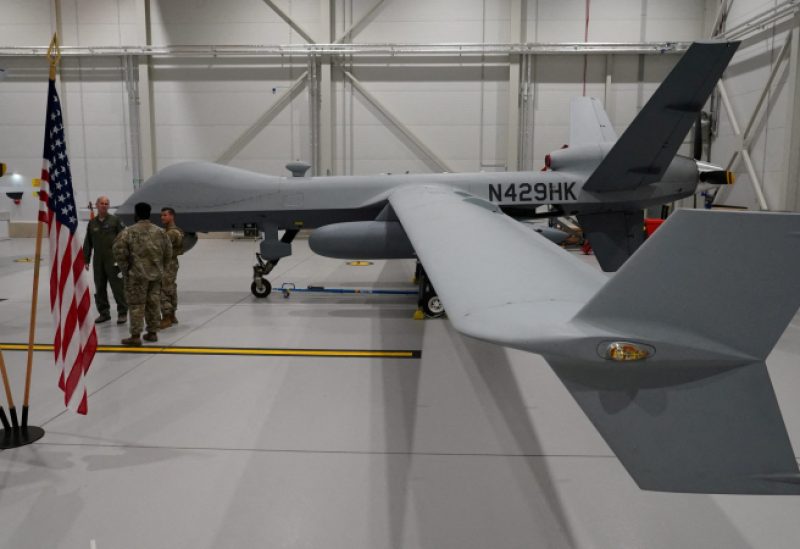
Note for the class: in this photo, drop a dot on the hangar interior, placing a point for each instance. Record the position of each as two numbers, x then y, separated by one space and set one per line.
461 443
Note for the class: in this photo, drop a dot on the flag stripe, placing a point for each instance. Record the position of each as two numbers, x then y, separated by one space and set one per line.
75 338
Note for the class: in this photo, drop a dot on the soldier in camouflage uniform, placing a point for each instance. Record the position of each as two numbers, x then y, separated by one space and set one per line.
100 235
141 252
169 287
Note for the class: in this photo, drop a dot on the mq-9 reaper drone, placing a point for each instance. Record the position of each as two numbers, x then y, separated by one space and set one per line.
605 181
666 358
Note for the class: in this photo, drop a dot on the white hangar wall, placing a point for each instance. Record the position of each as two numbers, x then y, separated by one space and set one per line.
202 106
462 111
92 91
457 108
772 144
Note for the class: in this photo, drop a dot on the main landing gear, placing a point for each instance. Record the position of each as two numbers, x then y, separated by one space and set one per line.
427 299
274 249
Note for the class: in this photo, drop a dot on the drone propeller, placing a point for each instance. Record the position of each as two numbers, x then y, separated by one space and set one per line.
717 177
697 141
712 178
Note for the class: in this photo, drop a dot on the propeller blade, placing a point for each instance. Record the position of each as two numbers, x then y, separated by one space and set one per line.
697 141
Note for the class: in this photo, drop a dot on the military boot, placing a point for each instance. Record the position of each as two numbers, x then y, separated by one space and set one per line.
166 322
133 341
150 336
173 319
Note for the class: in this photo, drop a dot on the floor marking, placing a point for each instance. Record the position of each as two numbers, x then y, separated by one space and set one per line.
231 351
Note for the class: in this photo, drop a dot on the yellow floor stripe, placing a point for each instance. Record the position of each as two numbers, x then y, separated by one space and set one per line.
234 351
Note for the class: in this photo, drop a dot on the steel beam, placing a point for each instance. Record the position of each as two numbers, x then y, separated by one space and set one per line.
134 119
313 111
726 102
792 146
513 151
325 116
289 21
147 134
432 159
722 11
513 125
746 137
353 29
462 51
144 98
761 21
326 121
748 162
262 122
741 150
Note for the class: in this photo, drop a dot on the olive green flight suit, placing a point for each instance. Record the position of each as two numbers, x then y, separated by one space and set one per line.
142 251
100 235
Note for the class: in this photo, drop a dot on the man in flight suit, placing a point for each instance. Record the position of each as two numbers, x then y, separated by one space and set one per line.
169 287
100 235
142 251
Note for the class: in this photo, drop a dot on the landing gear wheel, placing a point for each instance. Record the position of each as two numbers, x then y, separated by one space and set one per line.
261 288
432 306
427 298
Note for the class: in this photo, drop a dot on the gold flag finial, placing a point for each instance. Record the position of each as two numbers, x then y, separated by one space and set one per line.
53 55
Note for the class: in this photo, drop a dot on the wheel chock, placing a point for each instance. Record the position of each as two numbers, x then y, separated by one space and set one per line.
287 288
419 315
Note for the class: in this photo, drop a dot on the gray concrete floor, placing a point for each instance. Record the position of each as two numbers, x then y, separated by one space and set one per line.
471 446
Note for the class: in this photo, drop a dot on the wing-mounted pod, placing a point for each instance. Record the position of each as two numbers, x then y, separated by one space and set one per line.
383 238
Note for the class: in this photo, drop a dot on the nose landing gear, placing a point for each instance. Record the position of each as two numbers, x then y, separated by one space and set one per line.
273 249
261 287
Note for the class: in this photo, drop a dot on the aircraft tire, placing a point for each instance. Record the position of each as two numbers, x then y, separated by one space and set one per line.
432 306
263 291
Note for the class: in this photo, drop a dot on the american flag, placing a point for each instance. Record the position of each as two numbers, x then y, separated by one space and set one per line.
75 336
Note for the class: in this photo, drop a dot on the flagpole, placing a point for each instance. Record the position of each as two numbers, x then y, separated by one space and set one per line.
9 398
53 55
32 329
25 434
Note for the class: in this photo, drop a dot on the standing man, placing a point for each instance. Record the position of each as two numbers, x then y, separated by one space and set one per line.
169 287
100 235
142 251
